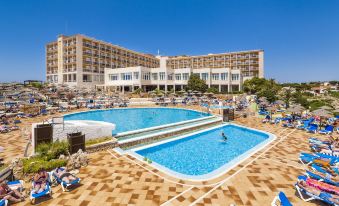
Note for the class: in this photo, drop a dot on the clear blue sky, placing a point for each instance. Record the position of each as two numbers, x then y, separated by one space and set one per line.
300 37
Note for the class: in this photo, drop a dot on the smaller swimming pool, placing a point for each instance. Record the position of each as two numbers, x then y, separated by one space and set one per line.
205 154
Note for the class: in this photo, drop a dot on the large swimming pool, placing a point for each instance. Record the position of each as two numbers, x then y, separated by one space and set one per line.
129 119
205 154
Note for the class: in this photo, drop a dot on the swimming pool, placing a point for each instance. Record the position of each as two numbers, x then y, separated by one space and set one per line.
129 119
205 154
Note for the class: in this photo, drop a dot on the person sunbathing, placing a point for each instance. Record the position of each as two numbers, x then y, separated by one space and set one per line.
64 175
302 184
9 194
40 181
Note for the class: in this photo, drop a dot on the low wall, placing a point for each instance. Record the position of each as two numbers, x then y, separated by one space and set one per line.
91 129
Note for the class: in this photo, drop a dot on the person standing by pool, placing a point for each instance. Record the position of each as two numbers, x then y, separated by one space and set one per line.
223 136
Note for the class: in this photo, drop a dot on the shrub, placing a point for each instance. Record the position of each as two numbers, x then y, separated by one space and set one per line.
213 90
48 151
34 164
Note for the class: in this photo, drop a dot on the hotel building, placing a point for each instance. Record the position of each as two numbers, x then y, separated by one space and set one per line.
81 61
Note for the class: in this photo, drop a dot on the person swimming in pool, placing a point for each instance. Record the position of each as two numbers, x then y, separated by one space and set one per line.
223 136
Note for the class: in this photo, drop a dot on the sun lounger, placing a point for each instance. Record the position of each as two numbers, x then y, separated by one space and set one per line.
34 196
308 159
281 197
314 140
321 178
324 196
16 185
3 202
328 130
312 128
65 186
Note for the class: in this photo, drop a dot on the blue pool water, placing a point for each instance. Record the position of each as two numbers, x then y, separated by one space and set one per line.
205 152
137 118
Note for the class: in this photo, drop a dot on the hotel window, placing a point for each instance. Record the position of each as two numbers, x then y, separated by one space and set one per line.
65 77
170 77
69 77
126 76
86 78
146 76
154 76
204 76
113 77
215 76
224 76
185 76
162 75
235 77
198 74
177 76
135 75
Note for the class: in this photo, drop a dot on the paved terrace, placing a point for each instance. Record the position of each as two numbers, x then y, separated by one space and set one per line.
112 179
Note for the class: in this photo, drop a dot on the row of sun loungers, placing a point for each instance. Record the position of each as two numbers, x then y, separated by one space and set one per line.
53 178
320 182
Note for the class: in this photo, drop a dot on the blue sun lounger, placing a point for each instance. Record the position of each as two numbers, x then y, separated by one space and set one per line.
328 130
33 196
308 159
314 140
324 196
3 202
321 178
65 186
312 128
281 197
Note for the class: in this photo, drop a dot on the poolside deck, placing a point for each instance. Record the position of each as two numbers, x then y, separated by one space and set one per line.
111 179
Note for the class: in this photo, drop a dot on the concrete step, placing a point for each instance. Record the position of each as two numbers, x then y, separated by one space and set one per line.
157 135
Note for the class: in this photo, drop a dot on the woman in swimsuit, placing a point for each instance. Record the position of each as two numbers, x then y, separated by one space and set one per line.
64 175
9 194
40 180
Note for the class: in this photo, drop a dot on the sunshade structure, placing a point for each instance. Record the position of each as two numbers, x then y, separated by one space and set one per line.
279 102
325 107
321 113
295 110
336 110
261 99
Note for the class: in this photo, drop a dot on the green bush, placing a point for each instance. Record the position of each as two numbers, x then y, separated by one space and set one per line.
213 90
34 164
49 151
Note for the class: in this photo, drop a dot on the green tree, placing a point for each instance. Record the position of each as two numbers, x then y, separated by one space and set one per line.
287 96
195 83
254 85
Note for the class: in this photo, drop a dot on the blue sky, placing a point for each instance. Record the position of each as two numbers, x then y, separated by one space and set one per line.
300 37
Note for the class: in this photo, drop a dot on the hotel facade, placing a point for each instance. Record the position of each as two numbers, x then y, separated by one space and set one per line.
81 61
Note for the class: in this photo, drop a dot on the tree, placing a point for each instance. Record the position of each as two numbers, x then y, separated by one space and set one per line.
254 85
286 96
70 96
196 84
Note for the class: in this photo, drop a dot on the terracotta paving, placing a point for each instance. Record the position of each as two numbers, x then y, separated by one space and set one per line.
113 179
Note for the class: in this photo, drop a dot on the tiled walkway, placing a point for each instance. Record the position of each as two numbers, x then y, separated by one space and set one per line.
112 179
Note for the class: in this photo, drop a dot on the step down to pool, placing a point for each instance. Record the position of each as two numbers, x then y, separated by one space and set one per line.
149 136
